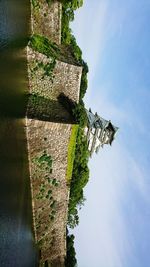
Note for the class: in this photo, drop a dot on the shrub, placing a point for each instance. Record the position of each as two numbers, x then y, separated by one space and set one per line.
44 45
70 260
80 177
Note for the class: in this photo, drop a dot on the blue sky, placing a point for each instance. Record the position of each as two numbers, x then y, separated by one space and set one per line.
114 228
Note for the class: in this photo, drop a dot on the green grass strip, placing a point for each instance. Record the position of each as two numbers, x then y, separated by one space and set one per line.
71 152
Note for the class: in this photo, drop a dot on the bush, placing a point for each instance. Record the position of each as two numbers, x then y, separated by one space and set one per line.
70 260
44 45
80 177
77 111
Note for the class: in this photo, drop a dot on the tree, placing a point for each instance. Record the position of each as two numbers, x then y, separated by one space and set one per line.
70 260
72 4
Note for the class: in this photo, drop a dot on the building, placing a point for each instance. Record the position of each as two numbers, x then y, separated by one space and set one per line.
99 132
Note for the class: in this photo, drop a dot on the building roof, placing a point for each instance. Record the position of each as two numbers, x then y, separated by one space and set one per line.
95 121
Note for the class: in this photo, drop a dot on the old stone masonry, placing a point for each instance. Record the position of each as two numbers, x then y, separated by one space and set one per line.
49 127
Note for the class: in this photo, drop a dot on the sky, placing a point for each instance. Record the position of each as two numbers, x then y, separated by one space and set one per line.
114 229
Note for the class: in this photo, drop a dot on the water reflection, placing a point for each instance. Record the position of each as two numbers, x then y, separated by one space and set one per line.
16 237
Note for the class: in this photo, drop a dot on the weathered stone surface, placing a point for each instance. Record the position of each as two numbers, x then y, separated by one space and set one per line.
46 20
48 138
66 78
52 139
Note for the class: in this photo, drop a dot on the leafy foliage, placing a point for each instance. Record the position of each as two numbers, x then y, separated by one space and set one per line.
80 114
70 260
44 161
69 40
77 110
35 4
68 7
80 173
44 158
80 177
47 68
44 45
72 4
84 80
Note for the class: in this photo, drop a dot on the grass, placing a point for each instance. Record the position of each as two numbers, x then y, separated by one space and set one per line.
71 152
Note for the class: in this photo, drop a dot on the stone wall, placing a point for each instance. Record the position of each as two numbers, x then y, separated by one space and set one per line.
47 139
46 20
49 220
50 194
65 79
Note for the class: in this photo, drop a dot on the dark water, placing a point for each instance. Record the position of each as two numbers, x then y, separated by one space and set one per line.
17 247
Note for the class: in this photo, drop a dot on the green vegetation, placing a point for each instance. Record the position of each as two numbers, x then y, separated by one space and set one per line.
43 164
52 181
43 108
79 114
69 40
80 172
70 260
80 177
78 155
44 45
71 152
35 4
68 7
46 68
84 80
44 158
77 111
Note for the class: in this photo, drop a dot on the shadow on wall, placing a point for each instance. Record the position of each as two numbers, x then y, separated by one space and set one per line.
45 109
